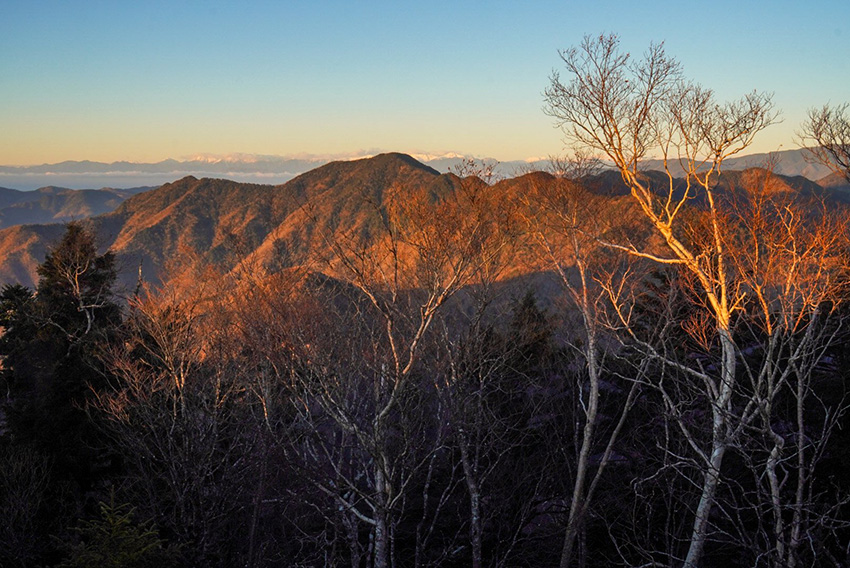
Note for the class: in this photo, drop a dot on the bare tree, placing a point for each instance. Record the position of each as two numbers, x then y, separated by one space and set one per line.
420 248
484 170
485 397
175 419
786 260
789 256
826 135
24 494
626 110
567 222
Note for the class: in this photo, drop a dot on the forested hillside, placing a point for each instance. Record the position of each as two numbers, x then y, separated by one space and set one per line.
223 224
375 364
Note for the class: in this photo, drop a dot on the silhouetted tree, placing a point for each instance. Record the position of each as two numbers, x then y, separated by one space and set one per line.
50 368
49 347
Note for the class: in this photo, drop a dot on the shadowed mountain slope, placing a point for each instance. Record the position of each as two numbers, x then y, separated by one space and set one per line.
838 185
610 183
58 204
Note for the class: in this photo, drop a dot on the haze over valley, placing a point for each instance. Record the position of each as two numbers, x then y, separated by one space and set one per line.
279 169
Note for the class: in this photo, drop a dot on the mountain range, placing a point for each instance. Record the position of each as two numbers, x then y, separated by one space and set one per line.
58 204
229 224
254 168
221 222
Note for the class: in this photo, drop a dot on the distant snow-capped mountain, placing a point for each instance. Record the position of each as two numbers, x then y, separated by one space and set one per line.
256 168
270 169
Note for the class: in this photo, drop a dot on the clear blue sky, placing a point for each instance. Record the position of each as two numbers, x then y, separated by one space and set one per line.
144 81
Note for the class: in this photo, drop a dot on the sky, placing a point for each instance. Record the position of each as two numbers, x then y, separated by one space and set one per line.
145 81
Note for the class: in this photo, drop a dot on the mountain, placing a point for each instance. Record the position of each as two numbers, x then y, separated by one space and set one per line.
57 204
23 248
837 184
786 162
249 168
241 226
221 222
252 168
609 183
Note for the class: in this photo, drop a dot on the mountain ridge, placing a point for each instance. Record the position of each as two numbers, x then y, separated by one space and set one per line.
52 204
224 223
260 168
206 215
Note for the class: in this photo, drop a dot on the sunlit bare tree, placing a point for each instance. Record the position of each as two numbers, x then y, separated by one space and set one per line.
628 110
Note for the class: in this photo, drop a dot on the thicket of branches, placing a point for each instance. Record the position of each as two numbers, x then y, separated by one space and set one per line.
669 389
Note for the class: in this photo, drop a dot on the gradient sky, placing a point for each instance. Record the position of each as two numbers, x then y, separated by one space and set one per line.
148 80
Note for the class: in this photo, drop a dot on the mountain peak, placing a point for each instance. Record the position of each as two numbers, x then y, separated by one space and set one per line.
380 170
397 159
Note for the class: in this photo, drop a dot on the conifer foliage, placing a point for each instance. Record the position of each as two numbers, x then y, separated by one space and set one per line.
115 540
49 342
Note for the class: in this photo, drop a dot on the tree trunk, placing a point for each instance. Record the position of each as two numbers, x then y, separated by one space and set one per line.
577 506
720 410
258 501
382 549
802 475
709 489
579 499
475 529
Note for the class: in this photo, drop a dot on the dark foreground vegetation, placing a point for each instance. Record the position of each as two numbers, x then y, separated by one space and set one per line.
471 374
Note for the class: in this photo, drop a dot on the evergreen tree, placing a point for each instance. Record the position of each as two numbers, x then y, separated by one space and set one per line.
531 336
116 541
49 348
